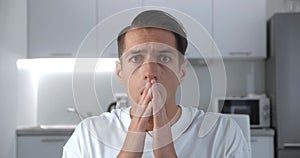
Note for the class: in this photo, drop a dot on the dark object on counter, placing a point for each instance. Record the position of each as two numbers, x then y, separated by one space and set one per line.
112 106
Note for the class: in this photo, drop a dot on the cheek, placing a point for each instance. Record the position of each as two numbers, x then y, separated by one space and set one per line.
132 85
171 73
170 80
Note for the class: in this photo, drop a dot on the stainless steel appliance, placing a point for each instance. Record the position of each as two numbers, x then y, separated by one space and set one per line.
282 82
257 108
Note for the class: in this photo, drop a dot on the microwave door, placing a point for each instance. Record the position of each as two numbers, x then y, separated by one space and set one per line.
240 109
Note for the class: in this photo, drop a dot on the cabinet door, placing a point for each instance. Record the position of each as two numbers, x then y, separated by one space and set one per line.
56 28
240 28
107 8
200 10
262 146
108 27
289 153
40 146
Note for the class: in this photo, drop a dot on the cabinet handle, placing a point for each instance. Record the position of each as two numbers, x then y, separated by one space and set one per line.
291 145
57 55
53 140
240 53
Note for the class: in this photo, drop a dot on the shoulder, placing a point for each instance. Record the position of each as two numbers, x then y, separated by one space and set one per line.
96 131
209 120
96 123
222 123
116 117
225 130
237 139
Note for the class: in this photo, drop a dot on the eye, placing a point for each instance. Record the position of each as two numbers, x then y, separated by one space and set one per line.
136 59
165 59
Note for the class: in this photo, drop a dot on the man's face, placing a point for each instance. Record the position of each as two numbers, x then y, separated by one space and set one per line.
150 53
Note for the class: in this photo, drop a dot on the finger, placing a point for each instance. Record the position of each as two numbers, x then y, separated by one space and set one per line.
146 97
149 110
157 99
144 93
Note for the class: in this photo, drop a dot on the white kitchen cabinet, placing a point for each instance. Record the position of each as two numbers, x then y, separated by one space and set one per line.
239 28
262 146
199 10
41 146
107 8
56 28
109 25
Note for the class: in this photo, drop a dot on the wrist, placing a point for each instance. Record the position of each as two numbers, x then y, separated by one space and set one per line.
125 154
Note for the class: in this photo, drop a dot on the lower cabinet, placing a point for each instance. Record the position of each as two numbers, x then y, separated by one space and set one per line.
51 146
262 146
40 146
289 153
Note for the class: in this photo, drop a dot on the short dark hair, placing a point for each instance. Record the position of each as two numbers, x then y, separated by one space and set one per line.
156 19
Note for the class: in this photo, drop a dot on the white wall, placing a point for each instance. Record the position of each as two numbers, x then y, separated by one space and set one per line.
12 47
243 78
275 6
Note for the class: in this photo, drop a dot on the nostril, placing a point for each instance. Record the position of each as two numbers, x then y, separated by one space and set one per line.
150 77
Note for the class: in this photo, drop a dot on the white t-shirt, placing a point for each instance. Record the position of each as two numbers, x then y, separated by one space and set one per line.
103 136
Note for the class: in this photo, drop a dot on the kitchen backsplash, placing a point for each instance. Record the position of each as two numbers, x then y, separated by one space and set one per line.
47 101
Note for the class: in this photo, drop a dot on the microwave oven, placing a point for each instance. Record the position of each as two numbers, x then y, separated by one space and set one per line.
258 109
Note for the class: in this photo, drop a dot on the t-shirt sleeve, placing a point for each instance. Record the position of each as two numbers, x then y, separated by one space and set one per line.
237 146
68 153
72 148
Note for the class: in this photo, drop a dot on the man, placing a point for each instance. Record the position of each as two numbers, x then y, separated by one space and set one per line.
151 68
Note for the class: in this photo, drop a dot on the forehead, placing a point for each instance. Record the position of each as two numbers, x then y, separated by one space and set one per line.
145 35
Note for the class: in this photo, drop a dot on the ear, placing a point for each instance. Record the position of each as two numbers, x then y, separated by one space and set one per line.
182 71
119 72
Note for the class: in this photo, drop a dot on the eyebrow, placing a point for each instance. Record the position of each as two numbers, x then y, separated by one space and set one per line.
166 50
138 51
135 51
131 52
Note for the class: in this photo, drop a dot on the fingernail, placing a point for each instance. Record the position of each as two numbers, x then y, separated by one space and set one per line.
153 81
149 92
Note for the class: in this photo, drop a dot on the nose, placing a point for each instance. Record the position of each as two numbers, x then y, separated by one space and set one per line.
150 71
149 77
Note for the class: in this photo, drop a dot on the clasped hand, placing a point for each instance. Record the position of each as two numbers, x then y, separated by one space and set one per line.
149 115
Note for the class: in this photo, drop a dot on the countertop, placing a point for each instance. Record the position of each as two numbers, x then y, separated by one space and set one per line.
46 130
262 132
68 130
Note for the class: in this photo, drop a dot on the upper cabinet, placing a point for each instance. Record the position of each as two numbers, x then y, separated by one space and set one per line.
56 28
107 8
111 22
66 28
239 28
199 10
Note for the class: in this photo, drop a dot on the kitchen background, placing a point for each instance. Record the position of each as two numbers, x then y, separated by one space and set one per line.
21 106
